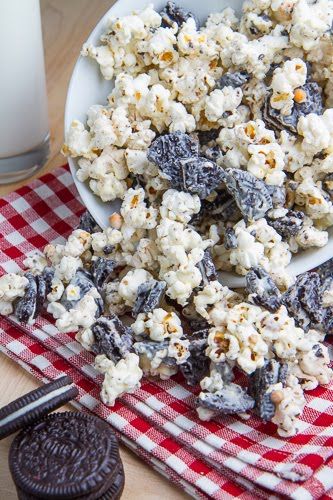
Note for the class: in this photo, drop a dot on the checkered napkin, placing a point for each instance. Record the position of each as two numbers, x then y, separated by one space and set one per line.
221 459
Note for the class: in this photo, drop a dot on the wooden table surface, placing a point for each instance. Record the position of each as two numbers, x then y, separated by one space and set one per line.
66 25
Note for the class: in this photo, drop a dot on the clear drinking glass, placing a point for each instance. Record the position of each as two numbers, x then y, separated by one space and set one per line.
24 128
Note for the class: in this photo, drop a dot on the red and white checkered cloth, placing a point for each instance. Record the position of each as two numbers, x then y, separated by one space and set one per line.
224 459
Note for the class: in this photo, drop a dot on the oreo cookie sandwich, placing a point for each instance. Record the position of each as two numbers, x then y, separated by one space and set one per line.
67 456
34 405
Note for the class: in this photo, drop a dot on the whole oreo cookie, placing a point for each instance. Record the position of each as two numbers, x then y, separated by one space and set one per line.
34 405
67 455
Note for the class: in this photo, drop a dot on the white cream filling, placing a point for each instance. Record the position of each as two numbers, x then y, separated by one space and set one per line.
34 404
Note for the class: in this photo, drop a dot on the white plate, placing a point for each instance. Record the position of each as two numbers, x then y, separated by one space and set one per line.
87 87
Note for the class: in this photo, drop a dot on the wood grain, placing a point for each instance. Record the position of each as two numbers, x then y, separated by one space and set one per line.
66 25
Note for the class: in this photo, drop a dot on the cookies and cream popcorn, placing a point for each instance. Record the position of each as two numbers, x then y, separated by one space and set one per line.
289 403
189 105
286 79
317 132
312 367
179 206
179 350
35 262
219 102
12 286
267 163
78 142
83 314
67 268
158 325
119 378
310 21
56 290
128 286
135 212
110 237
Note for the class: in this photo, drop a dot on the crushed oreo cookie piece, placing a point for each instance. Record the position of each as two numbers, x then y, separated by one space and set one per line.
262 288
207 268
200 176
312 104
197 365
48 275
101 271
223 208
214 154
226 372
303 301
207 136
325 270
278 195
149 348
234 80
112 338
25 307
88 223
230 400
166 152
41 294
230 239
250 193
260 381
288 225
173 13
148 297
108 249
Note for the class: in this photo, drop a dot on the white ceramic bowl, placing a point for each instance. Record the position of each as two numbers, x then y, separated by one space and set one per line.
87 87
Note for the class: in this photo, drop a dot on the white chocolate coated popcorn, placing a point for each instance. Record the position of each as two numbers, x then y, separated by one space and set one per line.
12 286
130 283
119 378
158 325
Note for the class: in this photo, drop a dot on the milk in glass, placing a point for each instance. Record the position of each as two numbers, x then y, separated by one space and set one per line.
24 137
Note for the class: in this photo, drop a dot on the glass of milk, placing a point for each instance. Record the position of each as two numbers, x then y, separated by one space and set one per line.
24 128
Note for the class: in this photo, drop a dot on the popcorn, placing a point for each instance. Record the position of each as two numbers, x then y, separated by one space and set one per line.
249 252
115 303
12 286
135 212
82 315
285 80
138 164
109 237
267 163
182 282
67 268
158 325
212 383
179 350
289 403
78 142
179 206
57 289
128 286
180 119
317 132
119 378
254 56
312 367
35 263
310 22
86 338
222 101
